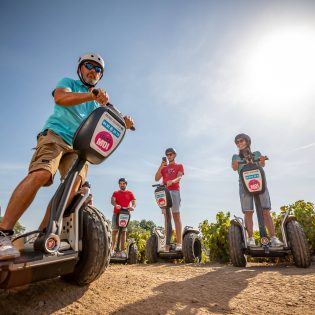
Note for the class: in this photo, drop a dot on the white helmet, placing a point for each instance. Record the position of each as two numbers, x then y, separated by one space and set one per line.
90 57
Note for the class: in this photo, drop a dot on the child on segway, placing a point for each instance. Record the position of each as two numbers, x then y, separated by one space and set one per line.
243 143
121 198
172 174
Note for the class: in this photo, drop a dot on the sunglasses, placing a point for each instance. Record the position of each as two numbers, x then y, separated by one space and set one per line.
90 66
169 154
240 141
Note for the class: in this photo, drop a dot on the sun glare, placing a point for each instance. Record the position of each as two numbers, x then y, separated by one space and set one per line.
279 71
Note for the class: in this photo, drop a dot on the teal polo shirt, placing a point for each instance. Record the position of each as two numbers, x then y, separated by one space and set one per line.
66 119
236 157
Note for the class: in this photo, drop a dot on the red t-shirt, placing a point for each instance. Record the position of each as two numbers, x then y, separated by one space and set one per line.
170 172
123 198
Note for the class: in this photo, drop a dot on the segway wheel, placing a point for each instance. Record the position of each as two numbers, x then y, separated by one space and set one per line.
95 255
133 254
151 249
192 248
237 256
298 244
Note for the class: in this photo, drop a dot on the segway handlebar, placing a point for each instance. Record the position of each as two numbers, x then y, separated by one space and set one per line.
254 160
159 185
95 92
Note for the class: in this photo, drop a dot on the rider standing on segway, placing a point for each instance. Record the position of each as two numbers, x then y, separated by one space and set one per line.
74 101
172 174
121 198
243 142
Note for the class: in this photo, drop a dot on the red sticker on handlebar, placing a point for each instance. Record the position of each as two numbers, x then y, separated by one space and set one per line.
104 141
254 185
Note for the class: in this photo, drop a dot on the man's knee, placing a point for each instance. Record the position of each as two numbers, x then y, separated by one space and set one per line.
40 178
248 214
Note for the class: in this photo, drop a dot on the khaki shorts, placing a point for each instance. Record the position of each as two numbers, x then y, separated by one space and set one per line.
53 153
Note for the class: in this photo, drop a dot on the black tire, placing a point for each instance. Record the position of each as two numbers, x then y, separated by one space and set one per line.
151 249
192 248
298 243
95 255
133 254
236 250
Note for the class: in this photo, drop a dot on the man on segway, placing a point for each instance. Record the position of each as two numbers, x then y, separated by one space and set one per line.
121 198
243 142
74 101
172 174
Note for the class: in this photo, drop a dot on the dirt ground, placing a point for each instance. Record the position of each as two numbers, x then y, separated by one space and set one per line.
173 289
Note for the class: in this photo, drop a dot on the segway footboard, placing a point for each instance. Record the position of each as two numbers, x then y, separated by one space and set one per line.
34 266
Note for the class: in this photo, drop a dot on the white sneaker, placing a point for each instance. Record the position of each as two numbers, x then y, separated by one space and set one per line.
251 242
123 255
275 241
112 253
178 247
7 250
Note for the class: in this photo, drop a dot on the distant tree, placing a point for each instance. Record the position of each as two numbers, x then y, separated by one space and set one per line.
18 228
147 225
134 226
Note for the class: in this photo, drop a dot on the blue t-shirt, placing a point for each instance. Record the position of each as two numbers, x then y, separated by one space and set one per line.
66 119
236 157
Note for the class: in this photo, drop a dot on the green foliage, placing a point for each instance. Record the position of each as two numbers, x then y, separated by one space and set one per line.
140 232
305 215
215 237
147 225
18 228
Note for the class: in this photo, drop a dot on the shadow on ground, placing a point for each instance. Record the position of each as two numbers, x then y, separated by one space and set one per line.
210 292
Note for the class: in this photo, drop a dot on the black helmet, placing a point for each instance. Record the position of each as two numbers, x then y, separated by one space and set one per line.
245 137
170 150
86 184
123 179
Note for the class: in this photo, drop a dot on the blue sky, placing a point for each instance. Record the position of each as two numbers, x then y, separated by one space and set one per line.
193 74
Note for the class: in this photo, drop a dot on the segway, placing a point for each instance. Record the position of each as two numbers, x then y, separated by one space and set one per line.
253 179
123 218
76 243
157 243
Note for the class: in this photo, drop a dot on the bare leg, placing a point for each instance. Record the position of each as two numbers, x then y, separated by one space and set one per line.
23 196
249 222
114 234
74 190
178 227
268 222
123 240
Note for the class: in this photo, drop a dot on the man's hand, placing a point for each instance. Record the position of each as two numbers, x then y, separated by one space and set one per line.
102 97
169 183
131 208
118 207
262 160
235 165
129 122
163 164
